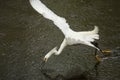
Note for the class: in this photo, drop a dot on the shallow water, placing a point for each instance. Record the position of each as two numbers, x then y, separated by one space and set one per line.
25 36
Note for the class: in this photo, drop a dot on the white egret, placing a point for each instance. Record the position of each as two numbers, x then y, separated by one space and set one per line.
71 37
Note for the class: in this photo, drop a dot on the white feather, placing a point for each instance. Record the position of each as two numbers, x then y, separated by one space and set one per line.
71 37
60 22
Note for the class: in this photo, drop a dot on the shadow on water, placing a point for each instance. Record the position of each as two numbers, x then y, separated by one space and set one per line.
61 77
83 76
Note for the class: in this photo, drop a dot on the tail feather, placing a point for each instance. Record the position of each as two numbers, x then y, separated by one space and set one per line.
96 30
93 35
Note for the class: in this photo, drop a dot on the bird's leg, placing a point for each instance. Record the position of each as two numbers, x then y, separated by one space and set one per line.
44 60
97 48
54 50
106 52
62 46
98 58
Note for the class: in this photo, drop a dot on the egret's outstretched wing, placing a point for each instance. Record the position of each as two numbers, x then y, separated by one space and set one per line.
60 22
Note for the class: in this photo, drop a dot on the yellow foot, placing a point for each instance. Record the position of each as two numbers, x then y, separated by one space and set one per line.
98 58
106 52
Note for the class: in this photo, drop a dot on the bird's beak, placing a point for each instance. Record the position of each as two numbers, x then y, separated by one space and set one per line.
45 59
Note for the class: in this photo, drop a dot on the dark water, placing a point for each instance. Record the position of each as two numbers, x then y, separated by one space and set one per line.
25 36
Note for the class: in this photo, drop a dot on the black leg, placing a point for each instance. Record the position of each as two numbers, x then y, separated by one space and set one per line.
97 56
97 46
96 65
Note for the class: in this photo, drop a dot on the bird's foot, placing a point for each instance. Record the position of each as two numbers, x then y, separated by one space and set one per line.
106 52
98 58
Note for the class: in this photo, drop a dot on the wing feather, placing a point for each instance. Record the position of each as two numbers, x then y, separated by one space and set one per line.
60 22
90 36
